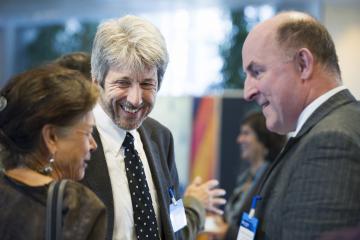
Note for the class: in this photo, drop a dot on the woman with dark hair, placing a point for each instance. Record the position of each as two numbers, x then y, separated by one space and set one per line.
46 135
258 147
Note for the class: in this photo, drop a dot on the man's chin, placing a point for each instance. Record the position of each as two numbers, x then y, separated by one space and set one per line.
128 126
275 127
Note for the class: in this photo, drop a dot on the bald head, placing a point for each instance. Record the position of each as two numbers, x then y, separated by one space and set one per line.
293 16
282 18
294 30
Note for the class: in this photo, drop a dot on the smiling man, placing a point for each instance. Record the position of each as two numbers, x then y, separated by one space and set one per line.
133 170
129 95
293 74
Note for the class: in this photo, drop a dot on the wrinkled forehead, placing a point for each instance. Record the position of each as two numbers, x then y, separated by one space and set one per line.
135 70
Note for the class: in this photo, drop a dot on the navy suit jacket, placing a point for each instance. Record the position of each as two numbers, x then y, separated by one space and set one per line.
159 148
314 184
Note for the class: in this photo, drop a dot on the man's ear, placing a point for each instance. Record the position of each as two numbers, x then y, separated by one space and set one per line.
50 137
304 61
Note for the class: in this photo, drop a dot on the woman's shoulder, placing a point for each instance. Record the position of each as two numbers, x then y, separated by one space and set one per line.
78 195
85 214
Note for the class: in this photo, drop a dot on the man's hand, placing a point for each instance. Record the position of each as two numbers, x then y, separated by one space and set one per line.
207 193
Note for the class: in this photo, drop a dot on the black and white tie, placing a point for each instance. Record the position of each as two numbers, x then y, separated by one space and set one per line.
144 214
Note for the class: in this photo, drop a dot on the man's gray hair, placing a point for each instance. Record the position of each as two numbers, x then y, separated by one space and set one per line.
129 42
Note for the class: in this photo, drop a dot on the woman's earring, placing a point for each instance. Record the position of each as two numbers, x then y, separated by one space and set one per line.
49 167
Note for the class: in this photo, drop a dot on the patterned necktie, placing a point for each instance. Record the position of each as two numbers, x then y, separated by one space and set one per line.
144 214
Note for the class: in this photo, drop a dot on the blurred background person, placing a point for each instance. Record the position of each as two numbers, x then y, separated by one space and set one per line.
258 148
46 128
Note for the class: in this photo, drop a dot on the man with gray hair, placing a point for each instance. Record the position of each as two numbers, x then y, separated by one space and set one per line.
133 170
293 74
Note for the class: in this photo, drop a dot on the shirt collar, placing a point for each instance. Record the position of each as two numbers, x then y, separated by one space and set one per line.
310 109
111 133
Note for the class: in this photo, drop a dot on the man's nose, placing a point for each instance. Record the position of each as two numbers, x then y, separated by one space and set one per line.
250 90
135 95
93 144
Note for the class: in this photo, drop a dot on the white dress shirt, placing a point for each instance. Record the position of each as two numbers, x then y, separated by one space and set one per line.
306 113
112 138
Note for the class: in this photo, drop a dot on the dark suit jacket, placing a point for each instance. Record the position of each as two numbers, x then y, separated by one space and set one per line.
158 145
352 233
314 184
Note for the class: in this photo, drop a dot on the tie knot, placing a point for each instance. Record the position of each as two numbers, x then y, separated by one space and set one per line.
129 140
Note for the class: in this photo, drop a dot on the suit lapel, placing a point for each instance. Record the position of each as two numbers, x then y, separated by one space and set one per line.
291 141
97 179
154 160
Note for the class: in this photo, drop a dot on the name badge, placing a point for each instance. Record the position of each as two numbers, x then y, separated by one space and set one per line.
177 215
247 228
249 223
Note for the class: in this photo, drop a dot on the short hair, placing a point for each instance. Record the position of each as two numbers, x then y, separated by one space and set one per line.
130 42
272 141
80 61
307 32
45 95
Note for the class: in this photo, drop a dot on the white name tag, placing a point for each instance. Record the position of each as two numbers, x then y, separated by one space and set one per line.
177 215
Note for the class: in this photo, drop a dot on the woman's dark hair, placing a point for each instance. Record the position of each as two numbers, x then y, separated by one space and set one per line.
272 141
80 61
47 95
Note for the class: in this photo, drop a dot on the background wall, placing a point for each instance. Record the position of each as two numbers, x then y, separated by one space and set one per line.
343 22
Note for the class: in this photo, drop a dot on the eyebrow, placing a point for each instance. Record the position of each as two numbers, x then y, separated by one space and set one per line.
250 67
149 79
125 78
122 78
